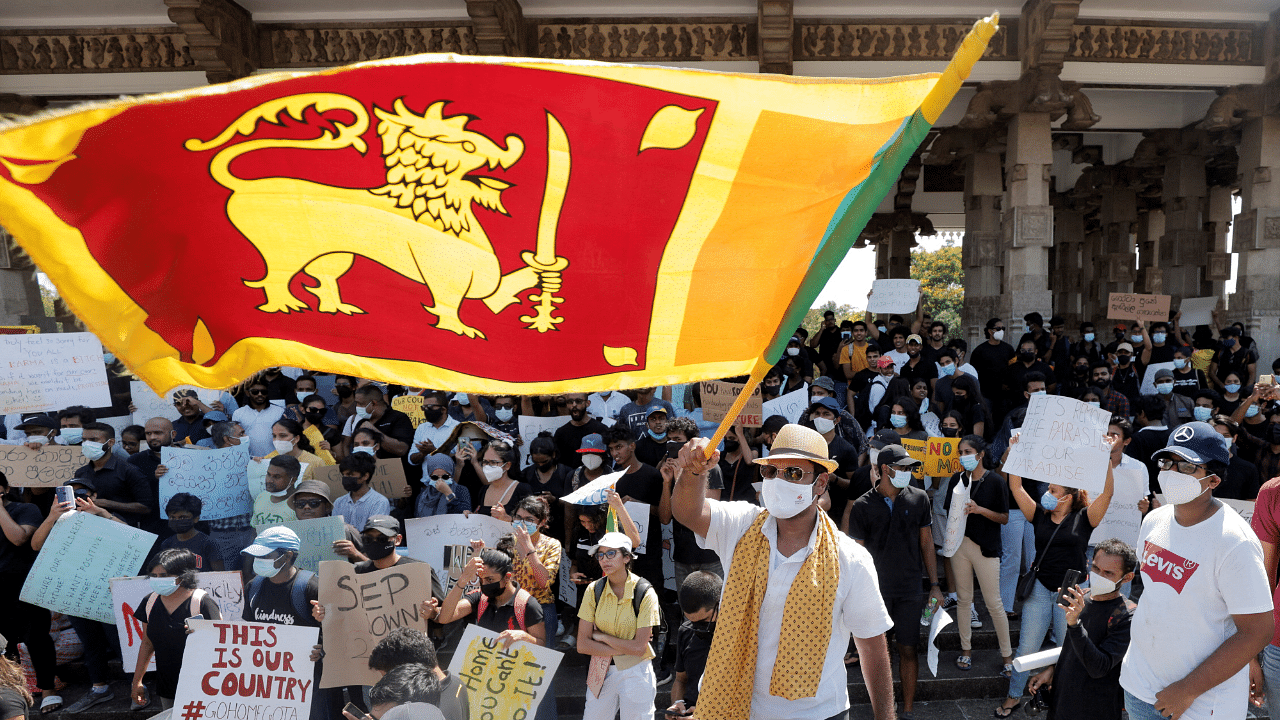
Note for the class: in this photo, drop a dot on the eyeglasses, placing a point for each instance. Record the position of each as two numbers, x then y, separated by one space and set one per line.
493 463
308 504
257 392
607 554
1186 467
791 474
505 406
575 402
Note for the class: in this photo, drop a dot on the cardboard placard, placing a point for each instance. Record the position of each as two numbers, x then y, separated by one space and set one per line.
942 457
73 570
507 683
218 477
918 450
530 427
1062 441
410 405
44 372
444 541
1132 306
49 466
317 537
894 296
718 397
127 594
1197 311
149 405
790 406
388 480
360 610
246 670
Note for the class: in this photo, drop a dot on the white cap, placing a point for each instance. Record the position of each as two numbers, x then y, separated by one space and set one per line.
462 399
614 540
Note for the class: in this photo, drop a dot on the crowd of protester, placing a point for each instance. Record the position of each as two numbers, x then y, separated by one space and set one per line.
871 384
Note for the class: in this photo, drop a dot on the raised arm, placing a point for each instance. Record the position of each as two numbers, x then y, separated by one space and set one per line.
1098 508
624 518
455 605
689 503
1025 502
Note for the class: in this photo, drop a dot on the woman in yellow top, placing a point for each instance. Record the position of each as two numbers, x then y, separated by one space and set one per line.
289 439
620 677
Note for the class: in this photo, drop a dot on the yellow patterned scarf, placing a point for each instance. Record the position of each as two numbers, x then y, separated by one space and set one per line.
731 664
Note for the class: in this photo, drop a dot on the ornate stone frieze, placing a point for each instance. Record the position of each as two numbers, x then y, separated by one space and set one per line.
326 44
35 51
647 39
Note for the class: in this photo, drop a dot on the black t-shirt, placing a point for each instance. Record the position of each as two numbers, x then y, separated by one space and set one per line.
891 533
168 635
11 703
925 369
282 387
1018 371
846 456
18 558
650 451
1162 354
861 379
992 493
1188 381
568 440
273 603
1086 680
455 703
1066 552
397 425
684 547
992 364
645 485
828 342
739 479
1242 483
204 548
692 649
518 493
498 618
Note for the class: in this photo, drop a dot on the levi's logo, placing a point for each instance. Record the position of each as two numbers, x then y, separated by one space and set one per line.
1166 566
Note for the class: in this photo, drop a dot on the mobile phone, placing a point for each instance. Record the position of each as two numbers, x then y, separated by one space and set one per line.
353 711
1070 581
673 448
1266 379
66 494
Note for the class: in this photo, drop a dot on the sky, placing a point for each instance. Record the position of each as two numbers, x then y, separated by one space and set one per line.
852 280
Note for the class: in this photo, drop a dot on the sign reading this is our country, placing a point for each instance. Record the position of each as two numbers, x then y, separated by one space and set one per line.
243 670
360 610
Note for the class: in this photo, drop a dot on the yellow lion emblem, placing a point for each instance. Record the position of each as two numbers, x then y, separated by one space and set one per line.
421 223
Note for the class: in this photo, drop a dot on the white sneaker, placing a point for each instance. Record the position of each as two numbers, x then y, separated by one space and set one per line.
974 620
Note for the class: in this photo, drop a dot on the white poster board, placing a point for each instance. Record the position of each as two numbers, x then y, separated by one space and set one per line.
595 492
790 406
217 477
1123 519
639 513
529 429
127 593
894 296
941 619
72 572
149 405
223 657
44 372
1149 377
1062 441
1244 507
444 541
568 591
1197 311
506 682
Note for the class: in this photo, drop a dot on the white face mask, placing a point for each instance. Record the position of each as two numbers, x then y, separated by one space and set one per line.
1099 585
504 414
265 567
591 461
823 425
1179 488
37 439
492 473
283 447
785 500
364 449
997 335
900 479
793 351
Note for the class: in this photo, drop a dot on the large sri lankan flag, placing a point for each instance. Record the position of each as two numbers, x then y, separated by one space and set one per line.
478 224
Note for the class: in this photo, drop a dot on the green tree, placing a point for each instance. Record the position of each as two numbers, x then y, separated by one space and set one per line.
813 319
941 276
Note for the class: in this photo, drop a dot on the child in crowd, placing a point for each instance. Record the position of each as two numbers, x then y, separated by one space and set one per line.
184 512
700 603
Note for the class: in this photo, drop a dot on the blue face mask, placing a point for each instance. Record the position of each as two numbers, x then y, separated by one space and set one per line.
947 370
528 525
1136 339
1158 337
163 585
1164 388
898 421
1233 388
1049 502
71 436
1088 337
968 462
656 437
1202 413
1229 342
1251 411
1179 363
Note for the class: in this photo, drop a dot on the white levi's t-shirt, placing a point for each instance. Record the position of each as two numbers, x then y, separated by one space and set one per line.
1194 579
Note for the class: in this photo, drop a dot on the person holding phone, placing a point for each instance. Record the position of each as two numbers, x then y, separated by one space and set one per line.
1063 520
174 599
502 493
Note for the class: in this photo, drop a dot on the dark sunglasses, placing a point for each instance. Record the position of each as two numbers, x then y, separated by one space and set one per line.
257 392
308 504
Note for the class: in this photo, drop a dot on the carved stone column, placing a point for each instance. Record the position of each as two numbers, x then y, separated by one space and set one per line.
1093 275
777 27
1150 271
1218 224
497 26
1118 214
1256 300
1028 218
1184 246
221 35
981 251
1068 265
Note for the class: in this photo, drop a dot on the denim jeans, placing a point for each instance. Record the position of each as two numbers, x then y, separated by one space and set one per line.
1038 611
1139 709
1017 552
1271 673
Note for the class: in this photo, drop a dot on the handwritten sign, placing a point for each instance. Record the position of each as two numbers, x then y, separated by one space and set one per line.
1197 311
149 405
790 406
595 492
568 590
530 427
1131 306
507 683
1062 441
127 594
639 513
51 372
894 296
942 457
49 466
388 479
410 405
246 670
1244 507
317 537
444 541
72 572
1122 519
718 397
217 477
918 450
360 610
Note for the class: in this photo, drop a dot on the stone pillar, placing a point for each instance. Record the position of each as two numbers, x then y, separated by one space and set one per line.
1184 246
20 300
1150 275
980 252
1218 265
898 254
1093 267
1118 213
1256 300
1068 269
1028 218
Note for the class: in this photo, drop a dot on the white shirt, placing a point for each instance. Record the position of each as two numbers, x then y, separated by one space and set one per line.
899 359
859 611
879 384
358 512
257 427
1123 520
427 432
603 407
1194 579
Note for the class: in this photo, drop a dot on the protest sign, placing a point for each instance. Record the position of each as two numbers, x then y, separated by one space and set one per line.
1244 507
51 372
1062 441
317 537
147 404
360 610
530 427
72 572
941 619
918 450
894 296
1123 520
388 479
1149 377
444 541
127 594
718 397
568 591
217 477
595 492
49 466
639 513
942 457
508 683
1197 311
1131 306
789 406
410 405
245 670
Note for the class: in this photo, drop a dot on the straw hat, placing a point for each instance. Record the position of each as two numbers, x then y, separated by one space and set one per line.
796 442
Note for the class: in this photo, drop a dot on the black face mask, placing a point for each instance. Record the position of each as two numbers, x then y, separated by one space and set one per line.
960 402
1123 359
378 550
345 391
350 484
1026 355
1273 434
547 466
770 390
730 443
950 432
182 525
315 417
432 414
491 590
1082 370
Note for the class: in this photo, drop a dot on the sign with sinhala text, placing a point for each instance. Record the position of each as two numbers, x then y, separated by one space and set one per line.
718 397
49 466
1062 441
1130 306
444 541
217 477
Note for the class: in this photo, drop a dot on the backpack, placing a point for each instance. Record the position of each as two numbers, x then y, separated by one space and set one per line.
522 601
297 593
642 587
197 596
